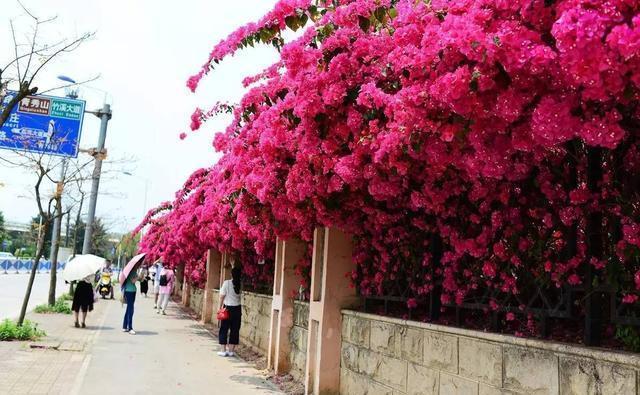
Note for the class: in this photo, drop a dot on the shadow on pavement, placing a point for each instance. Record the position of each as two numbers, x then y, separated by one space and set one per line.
96 327
146 333
251 380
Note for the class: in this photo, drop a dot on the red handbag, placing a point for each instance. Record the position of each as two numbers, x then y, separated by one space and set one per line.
223 314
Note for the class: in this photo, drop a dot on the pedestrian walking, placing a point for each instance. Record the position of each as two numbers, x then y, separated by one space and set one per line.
144 281
82 300
129 291
166 280
229 335
156 283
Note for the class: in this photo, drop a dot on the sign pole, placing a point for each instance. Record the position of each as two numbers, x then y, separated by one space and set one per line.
105 116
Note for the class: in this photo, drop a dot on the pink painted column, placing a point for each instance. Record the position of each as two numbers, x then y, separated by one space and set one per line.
214 266
331 291
288 253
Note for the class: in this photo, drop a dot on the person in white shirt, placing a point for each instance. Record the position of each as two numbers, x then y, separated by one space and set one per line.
156 283
229 335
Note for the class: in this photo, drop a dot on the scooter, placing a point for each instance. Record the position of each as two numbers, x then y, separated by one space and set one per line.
104 286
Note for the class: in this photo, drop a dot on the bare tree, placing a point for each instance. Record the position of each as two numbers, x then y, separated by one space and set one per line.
43 167
28 59
72 176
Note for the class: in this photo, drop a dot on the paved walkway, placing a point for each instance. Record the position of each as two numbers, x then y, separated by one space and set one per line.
170 354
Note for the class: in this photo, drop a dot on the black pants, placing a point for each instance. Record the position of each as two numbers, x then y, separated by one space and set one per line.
232 324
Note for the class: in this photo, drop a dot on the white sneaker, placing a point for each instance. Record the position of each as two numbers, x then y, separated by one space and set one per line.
222 353
132 332
125 330
231 354
164 312
155 307
158 311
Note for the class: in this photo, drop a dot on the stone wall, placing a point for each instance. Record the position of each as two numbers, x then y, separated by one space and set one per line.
196 300
256 318
390 356
298 338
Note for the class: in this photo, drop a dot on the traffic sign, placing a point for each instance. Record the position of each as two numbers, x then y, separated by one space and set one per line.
45 124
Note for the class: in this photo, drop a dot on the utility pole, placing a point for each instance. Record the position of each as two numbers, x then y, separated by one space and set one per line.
105 116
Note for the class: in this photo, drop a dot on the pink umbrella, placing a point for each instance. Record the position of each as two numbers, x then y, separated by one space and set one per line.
133 265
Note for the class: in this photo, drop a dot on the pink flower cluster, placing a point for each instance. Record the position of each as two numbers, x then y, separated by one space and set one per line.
499 126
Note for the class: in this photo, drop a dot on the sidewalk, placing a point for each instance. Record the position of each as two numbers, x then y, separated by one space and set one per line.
170 354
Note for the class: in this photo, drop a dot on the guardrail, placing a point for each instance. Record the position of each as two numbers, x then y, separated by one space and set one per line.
25 266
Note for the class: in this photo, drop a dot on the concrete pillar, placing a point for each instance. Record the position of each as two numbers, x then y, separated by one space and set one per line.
186 292
225 268
331 291
214 265
288 253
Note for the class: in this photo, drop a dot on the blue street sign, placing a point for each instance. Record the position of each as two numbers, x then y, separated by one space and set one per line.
44 124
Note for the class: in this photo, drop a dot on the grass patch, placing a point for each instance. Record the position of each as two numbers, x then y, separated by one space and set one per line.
10 330
60 307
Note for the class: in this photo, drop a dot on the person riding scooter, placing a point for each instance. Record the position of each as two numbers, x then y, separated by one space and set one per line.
104 284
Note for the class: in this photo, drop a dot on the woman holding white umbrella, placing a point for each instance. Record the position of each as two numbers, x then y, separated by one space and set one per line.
82 268
82 300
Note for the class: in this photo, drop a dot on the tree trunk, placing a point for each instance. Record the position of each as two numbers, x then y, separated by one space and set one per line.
54 253
75 229
34 268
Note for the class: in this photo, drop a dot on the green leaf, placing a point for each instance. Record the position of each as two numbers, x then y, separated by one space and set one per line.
364 23
393 12
380 13
291 22
302 20
313 12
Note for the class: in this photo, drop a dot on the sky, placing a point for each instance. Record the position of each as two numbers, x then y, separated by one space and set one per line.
143 51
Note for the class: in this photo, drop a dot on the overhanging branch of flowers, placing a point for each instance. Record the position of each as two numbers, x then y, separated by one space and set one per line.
507 129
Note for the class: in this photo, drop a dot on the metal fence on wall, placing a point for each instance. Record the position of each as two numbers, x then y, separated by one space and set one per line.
25 266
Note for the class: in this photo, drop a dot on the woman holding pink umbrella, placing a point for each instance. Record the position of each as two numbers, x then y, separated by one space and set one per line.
128 278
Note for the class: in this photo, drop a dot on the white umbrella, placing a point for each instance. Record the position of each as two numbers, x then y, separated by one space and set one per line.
82 266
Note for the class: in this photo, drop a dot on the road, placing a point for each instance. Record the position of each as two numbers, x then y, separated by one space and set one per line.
13 287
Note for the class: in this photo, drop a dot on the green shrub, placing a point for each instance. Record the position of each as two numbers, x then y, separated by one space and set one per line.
65 296
61 307
10 330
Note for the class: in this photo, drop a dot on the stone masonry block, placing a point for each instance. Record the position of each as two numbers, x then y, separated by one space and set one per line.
383 338
389 371
354 384
359 330
301 314
456 385
489 390
530 371
412 344
349 357
440 351
587 376
422 381
481 361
